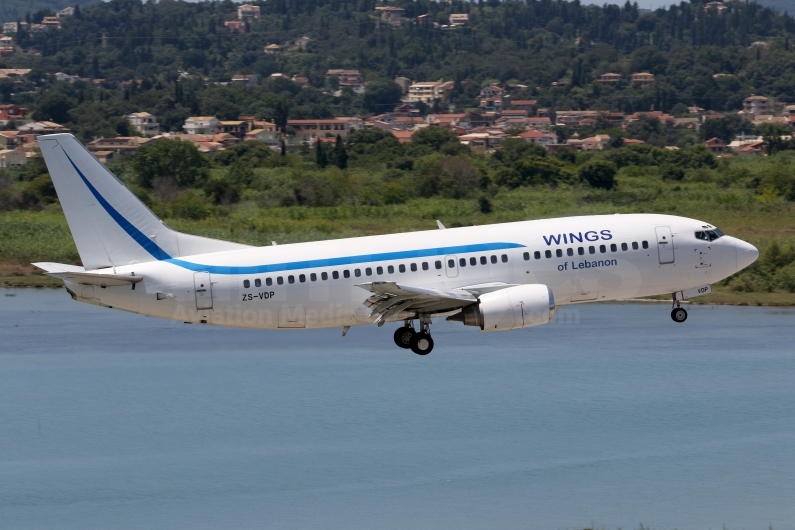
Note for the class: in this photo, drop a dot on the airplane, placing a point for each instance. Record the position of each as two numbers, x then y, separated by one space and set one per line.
496 277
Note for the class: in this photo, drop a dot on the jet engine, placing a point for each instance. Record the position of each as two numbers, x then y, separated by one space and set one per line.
517 307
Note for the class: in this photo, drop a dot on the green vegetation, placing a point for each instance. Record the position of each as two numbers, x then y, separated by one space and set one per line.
390 187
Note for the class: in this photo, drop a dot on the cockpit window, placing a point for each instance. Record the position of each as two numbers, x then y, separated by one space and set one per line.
709 235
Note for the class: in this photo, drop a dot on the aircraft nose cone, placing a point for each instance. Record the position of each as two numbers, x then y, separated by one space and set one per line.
746 254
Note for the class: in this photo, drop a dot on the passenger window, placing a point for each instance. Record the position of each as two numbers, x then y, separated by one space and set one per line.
413 267
451 263
548 254
335 275
581 251
602 249
494 259
425 266
291 279
402 268
613 247
257 283
462 262
246 284
504 258
569 251
368 271
357 272
379 270
280 280
313 277
268 282
634 245
624 246
390 269
559 253
537 255
483 260
591 250
526 256
474 261
438 264
346 273
645 244
324 276
302 278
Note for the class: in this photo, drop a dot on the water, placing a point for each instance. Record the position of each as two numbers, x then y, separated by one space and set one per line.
613 416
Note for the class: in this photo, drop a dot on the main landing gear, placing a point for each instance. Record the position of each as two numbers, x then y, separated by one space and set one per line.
678 313
420 342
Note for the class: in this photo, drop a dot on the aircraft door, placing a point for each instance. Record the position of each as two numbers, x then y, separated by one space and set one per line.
451 266
665 244
204 290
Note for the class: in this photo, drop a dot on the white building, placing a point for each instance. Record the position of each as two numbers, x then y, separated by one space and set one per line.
429 91
65 12
248 11
11 158
10 27
201 125
145 123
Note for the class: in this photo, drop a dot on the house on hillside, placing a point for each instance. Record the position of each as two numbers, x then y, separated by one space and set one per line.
65 12
716 146
493 91
248 12
272 49
595 143
643 79
247 80
236 26
236 128
391 14
145 123
346 77
201 125
755 105
459 19
609 79
12 157
10 27
429 91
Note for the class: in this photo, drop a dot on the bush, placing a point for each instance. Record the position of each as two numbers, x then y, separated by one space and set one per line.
599 173
180 162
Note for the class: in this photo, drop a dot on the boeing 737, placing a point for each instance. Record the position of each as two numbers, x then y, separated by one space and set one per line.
496 277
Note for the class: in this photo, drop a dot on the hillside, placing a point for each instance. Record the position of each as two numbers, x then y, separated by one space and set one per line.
14 10
781 5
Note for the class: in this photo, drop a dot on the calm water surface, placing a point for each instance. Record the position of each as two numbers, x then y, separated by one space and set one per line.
612 416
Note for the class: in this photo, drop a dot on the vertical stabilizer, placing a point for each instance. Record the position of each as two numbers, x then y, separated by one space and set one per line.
110 225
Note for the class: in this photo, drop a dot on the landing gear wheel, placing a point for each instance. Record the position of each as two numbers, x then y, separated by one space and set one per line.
678 315
421 343
403 336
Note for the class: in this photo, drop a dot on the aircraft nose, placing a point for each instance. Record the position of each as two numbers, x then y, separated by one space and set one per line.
746 254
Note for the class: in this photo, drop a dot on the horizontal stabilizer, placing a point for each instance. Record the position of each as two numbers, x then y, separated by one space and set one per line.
78 275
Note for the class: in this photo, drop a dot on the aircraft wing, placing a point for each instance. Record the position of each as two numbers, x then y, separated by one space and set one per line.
390 298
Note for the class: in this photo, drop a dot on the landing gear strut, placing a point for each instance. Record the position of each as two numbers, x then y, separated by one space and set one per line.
678 313
420 342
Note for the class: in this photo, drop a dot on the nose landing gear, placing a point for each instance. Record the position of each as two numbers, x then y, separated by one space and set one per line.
678 313
420 342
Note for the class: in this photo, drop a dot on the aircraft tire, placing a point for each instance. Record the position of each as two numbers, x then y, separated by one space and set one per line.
678 315
421 343
403 336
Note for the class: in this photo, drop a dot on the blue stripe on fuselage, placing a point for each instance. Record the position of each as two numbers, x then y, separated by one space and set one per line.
346 260
140 238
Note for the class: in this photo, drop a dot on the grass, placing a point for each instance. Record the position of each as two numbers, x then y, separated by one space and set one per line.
721 197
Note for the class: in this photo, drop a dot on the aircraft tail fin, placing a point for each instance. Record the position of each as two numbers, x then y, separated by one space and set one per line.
110 225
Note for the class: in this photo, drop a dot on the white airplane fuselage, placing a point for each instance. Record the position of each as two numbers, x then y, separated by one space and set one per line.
315 285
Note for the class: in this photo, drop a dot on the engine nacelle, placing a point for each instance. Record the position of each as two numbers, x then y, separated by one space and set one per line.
517 307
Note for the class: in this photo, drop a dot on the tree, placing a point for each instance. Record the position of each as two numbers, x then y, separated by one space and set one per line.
179 162
54 106
599 174
434 137
382 96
